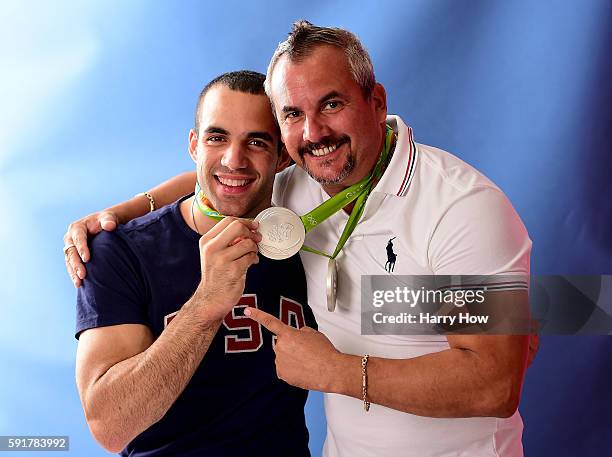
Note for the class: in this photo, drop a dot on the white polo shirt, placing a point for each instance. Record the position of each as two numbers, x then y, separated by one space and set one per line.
447 219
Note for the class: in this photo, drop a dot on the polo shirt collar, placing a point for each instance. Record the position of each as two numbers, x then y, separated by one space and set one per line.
400 171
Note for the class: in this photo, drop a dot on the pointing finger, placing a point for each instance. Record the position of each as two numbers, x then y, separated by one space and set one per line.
270 322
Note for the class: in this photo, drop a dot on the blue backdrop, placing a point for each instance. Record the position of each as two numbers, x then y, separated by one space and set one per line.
96 100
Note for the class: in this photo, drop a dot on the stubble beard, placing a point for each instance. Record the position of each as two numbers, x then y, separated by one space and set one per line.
347 169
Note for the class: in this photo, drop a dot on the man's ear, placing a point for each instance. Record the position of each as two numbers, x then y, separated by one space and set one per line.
379 99
193 145
283 159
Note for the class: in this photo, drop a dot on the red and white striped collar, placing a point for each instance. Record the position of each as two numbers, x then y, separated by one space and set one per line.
401 170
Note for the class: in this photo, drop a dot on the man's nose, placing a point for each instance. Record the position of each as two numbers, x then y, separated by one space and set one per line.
234 157
314 130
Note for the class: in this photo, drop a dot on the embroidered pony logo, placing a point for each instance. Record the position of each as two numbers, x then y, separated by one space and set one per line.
391 256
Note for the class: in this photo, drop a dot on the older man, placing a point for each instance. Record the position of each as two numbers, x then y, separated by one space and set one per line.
430 396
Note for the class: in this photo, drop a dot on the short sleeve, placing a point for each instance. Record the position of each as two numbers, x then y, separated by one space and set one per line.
114 291
480 233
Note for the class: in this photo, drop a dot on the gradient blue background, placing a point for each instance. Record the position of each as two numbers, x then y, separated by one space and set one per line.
96 100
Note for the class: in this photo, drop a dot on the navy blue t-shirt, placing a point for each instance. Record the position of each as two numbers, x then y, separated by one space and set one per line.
234 405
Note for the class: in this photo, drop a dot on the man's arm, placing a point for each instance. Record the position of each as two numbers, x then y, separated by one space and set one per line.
126 380
107 219
479 375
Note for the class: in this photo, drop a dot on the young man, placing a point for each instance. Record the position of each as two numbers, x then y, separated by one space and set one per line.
167 363
431 396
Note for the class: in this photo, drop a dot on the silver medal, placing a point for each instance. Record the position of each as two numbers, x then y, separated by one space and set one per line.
332 284
282 232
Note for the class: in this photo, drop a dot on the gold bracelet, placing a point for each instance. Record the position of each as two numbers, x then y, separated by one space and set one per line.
149 197
364 381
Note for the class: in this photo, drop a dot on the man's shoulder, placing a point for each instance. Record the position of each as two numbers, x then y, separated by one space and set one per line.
105 245
156 228
126 262
439 165
417 169
444 181
153 221
155 234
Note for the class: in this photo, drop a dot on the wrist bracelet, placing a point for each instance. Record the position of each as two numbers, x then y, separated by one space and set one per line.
149 197
364 381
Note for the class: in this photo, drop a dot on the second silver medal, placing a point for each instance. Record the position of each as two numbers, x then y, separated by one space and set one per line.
332 284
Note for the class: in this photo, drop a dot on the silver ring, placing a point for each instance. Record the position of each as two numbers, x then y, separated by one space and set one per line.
68 246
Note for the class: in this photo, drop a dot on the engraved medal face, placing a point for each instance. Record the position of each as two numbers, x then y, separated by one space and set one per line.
332 284
282 233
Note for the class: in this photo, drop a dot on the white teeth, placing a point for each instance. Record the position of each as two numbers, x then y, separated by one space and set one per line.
324 151
233 182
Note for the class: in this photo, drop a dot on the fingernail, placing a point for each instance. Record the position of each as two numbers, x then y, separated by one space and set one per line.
255 224
247 312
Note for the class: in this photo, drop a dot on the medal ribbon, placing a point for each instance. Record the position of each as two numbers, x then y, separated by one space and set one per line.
206 210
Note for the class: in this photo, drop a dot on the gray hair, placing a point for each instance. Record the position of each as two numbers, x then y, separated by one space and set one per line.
305 37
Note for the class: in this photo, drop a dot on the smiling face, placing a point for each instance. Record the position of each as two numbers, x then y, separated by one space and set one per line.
328 126
236 151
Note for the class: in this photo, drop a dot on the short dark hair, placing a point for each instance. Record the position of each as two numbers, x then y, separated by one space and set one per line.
247 81
305 37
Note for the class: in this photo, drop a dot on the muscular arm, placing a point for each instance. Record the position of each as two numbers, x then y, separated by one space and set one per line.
127 382
477 376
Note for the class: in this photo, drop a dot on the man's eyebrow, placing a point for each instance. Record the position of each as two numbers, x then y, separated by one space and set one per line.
329 95
332 94
261 135
213 129
290 109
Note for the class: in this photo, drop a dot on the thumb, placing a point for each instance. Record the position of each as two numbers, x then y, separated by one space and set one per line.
108 221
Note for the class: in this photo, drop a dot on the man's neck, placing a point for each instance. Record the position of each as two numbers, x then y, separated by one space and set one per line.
196 221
